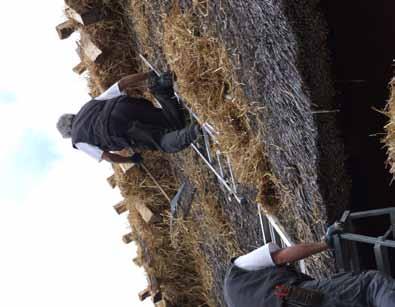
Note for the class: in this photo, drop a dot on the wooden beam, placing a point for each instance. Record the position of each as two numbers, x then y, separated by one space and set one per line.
129 237
147 215
144 294
112 181
90 50
65 29
80 68
121 207
87 16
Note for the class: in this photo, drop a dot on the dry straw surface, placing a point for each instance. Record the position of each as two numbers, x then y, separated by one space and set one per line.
205 231
206 80
173 258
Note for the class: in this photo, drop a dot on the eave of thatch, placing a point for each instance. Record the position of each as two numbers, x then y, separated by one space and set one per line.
389 140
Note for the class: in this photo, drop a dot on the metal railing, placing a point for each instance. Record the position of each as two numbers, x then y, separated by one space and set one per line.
346 244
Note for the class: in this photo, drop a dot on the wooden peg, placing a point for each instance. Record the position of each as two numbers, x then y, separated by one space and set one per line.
65 29
128 238
121 207
144 294
112 181
80 68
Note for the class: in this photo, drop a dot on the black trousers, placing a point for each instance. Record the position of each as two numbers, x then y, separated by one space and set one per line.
169 139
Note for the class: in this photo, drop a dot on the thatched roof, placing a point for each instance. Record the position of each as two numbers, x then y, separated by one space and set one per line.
258 78
389 140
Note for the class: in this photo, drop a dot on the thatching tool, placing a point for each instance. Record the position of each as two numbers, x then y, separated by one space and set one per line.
155 181
142 165
240 200
149 65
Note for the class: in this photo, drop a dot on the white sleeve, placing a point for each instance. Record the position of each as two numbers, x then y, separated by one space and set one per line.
94 151
112 92
258 258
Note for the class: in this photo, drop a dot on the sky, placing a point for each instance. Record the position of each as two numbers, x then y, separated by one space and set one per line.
60 237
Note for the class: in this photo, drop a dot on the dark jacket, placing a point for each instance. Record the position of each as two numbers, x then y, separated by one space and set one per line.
92 125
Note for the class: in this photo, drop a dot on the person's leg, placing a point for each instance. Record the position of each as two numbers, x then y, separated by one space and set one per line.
163 91
180 139
172 109
381 289
341 290
371 289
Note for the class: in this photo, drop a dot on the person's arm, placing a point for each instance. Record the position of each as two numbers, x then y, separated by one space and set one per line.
91 150
298 252
135 81
115 158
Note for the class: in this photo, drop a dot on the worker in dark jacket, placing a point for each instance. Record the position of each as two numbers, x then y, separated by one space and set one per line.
114 121
264 278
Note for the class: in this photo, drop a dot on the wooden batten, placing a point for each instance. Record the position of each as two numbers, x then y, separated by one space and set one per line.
80 68
121 207
89 49
65 29
147 215
129 237
112 181
144 294
86 17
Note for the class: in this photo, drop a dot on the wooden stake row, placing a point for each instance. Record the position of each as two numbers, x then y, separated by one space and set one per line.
87 50
76 20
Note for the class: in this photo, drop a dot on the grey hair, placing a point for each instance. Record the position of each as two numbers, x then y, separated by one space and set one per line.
64 125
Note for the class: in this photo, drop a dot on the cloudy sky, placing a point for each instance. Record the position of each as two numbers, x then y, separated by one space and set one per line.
60 237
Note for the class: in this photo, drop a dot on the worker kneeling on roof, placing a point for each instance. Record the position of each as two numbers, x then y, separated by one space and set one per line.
114 121
264 278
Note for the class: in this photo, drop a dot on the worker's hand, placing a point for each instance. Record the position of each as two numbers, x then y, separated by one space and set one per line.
335 228
136 158
160 83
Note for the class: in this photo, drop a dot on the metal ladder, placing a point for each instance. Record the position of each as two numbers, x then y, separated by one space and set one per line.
346 244
219 164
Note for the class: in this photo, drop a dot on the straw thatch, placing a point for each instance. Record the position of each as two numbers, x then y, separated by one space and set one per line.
174 265
389 140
